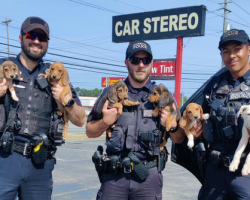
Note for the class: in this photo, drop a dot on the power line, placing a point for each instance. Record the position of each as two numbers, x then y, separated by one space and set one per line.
95 6
241 8
130 5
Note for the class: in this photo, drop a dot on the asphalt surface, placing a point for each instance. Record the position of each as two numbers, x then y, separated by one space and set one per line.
75 176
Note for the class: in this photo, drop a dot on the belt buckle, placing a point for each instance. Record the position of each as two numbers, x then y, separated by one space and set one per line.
226 161
27 149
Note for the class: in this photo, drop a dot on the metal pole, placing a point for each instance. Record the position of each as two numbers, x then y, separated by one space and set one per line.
224 25
178 69
7 23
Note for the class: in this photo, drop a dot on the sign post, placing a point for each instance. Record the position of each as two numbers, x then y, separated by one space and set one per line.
177 92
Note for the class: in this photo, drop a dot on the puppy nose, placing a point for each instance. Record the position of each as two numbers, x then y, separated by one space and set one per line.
196 117
12 76
54 76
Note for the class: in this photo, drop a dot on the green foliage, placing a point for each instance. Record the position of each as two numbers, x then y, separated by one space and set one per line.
183 98
90 93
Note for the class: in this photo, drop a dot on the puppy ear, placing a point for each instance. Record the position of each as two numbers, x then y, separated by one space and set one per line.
112 95
201 112
65 79
242 110
1 72
183 120
163 99
18 73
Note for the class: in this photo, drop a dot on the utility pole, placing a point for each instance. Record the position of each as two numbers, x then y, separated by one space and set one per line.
7 24
225 21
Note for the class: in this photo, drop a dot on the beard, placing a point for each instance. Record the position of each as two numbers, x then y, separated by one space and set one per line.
139 77
31 55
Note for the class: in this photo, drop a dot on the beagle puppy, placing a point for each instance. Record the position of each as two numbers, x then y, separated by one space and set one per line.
9 71
191 115
245 114
162 98
57 73
117 98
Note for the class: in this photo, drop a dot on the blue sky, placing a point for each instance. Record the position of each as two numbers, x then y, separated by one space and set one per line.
82 30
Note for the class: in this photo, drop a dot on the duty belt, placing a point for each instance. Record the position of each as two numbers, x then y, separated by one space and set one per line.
23 148
221 159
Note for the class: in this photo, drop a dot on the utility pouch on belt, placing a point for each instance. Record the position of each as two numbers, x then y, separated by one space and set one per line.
97 160
40 142
56 129
162 159
7 142
139 170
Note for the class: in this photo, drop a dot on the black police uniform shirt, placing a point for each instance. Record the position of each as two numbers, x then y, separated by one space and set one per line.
135 94
229 146
34 73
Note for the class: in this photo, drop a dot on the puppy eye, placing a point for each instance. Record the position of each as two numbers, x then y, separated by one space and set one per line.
60 70
189 112
52 69
6 70
154 93
119 90
197 108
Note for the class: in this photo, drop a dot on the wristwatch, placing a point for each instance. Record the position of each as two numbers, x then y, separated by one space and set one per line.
173 129
70 103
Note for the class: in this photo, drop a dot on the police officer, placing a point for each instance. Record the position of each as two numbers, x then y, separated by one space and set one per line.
27 142
133 164
226 93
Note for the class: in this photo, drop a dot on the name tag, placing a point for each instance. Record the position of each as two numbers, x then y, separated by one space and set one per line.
147 113
19 86
239 95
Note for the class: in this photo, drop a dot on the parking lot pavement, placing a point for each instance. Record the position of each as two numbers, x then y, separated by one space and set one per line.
75 177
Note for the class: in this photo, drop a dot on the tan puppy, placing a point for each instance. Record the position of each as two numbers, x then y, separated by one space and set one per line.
245 113
162 98
9 71
191 115
58 74
117 97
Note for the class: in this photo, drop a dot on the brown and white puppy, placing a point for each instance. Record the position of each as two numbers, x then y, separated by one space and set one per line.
9 71
162 98
57 73
245 113
117 98
191 115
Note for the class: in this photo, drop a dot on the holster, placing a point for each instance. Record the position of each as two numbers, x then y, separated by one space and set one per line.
140 171
162 159
7 141
40 142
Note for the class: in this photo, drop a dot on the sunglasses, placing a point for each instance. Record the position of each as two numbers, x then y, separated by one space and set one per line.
33 35
136 60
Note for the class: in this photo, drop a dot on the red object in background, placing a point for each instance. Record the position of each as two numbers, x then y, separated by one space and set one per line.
177 92
111 81
163 69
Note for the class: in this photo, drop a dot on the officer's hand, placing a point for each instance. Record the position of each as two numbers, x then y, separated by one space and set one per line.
3 88
164 115
56 91
110 115
197 129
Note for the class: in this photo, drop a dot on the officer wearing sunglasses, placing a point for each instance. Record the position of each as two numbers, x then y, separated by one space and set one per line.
132 165
27 145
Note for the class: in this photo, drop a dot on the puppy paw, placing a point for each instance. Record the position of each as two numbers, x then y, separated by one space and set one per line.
234 165
15 98
205 116
190 144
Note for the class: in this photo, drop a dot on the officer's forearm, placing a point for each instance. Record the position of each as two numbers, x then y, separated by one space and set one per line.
95 128
178 136
76 115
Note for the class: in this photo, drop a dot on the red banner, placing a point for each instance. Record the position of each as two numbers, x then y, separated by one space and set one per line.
111 81
163 69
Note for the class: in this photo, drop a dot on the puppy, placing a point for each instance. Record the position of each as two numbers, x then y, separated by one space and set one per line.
191 115
9 71
117 98
57 73
245 113
162 98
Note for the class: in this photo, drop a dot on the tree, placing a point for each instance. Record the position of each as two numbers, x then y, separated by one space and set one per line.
91 93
